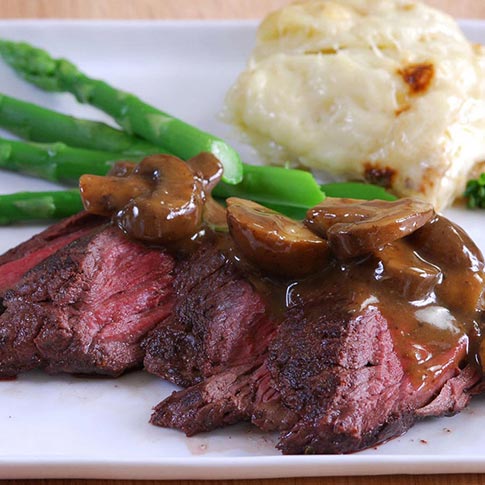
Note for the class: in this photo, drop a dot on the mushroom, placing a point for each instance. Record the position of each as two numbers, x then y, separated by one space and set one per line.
357 227
448 246
122 168
207 168
274 242
402 270
160 200
209 171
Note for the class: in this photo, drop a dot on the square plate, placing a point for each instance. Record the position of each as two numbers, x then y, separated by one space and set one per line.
67 427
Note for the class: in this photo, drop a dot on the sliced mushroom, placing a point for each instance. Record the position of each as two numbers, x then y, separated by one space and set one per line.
123 168
448 246
356 227
209 171
161 200
208 168
333 211
402 270
105 195
274 242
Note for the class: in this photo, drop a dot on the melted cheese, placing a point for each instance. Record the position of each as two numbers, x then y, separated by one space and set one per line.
364 89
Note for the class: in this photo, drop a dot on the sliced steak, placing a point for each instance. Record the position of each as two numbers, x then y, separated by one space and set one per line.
333 383
86 308
219 321
343 374
363 350
337 361
218 401
215 341
17 261
242 393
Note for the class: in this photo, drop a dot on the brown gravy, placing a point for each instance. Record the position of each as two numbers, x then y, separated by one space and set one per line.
428 286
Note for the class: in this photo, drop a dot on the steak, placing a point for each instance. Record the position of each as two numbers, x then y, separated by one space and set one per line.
215 341
242 393
333 382
17 261
353 362
219 320
345 375
86 308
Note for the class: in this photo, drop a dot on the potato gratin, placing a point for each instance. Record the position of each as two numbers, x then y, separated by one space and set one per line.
387 91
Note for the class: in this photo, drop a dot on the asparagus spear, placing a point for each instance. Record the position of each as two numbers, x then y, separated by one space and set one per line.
291 192
39 124
56 162
279 188
27 206
46 205
43 125
135 116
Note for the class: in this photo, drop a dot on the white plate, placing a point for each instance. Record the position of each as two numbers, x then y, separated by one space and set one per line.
82 428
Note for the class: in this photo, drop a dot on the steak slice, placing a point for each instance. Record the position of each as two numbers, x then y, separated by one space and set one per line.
242 393
334 382
215 341
86 308
17 261
344 373
219 321
218 401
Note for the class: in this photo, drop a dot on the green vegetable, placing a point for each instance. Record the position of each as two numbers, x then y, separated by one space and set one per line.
39 124
356 190
27 206
56 162
475 193
291 192
135 116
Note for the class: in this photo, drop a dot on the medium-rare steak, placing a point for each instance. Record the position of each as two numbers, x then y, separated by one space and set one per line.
86 308
364 348
337 383
215 341
339 365
219 320
241 393
17 261
372 354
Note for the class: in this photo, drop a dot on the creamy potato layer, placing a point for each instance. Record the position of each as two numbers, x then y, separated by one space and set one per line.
387 91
